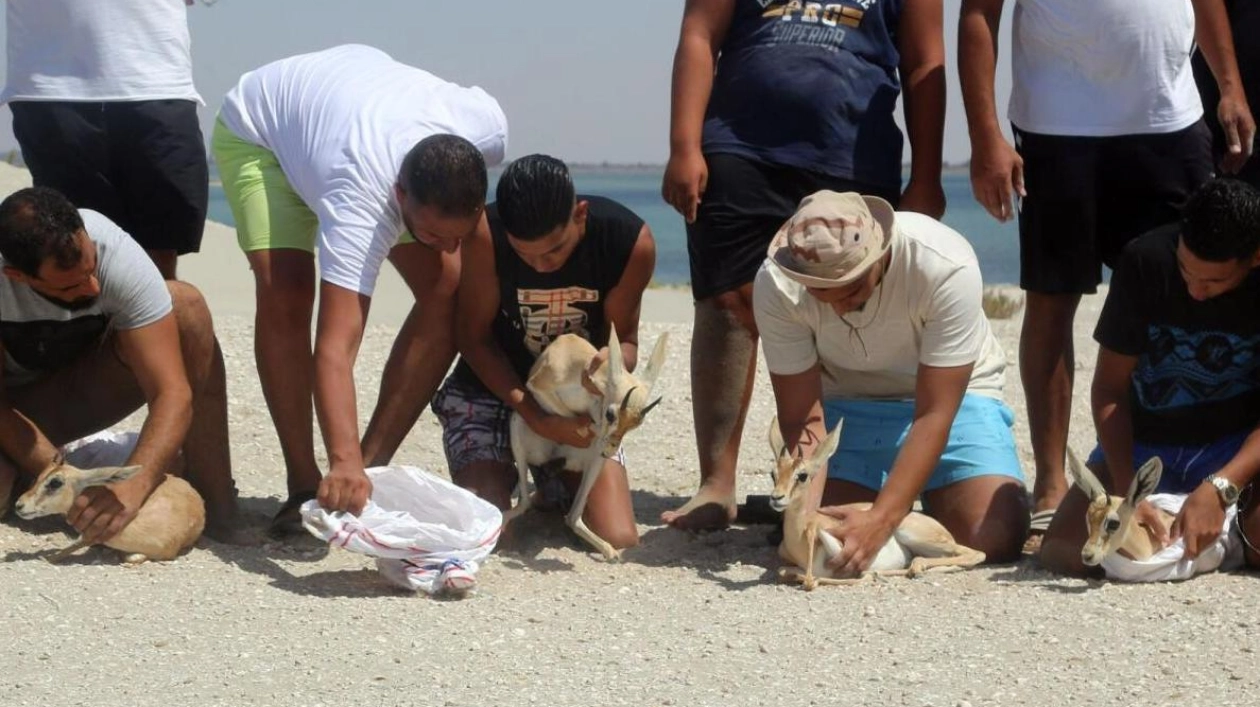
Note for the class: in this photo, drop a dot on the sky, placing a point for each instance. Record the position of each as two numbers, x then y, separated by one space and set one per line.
584 81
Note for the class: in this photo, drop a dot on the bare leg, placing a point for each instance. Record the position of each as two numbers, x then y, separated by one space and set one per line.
166 261
492 481
285 290
1047 360
609 512
207 454
985 513
1249 523
723 368
422 352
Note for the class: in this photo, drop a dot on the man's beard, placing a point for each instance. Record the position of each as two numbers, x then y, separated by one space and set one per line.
73 306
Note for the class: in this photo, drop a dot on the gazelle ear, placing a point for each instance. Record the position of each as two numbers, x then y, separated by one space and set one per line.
616 366
822 453
1145 481
1084 478
105 475
653 368
775 438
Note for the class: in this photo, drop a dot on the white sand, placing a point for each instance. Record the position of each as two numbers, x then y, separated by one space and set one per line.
684 620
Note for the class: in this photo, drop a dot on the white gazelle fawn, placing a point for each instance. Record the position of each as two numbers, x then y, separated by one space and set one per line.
168 523
918 544
615 400
1112 526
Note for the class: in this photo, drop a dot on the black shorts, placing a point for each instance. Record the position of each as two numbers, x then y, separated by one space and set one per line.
141 163
1089 196
743 206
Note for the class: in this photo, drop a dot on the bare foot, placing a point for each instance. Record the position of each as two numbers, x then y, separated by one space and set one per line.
707 510
232 528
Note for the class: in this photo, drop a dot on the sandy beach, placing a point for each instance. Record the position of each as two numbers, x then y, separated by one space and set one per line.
682 620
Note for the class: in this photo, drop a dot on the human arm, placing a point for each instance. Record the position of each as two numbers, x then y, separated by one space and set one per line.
938 393
922 47
625 300
152 353
996 168
1212 34
1202 516
338 334
704 27
477 303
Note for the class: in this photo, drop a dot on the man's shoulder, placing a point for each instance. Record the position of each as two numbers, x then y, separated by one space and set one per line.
932 246
606 210
1155 248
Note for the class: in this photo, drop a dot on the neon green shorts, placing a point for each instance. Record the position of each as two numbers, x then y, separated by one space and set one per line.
269 214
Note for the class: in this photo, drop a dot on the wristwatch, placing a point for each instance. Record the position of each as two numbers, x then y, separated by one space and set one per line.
1225 488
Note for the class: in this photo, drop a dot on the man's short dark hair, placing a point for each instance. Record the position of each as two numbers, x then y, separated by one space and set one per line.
446 172
1221 221
38 223
534 196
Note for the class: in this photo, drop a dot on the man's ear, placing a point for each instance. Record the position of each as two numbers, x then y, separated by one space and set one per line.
399 195
580 212
16 275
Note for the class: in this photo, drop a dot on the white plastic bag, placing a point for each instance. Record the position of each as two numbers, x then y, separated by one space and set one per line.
1170 563
427 533
105 448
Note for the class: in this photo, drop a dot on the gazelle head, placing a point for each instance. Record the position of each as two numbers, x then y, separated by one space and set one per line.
1108 518
57 487
626 398
793 472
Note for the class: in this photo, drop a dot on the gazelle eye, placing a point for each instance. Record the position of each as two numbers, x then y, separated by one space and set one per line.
54 483
1111 525
610 416
802 477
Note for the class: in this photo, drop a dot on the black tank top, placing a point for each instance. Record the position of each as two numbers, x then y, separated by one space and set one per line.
535 308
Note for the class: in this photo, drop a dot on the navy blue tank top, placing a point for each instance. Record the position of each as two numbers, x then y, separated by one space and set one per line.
535 308
811 85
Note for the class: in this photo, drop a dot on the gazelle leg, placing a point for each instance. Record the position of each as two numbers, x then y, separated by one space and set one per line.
516 434
65 552
574 519
965 558
810 582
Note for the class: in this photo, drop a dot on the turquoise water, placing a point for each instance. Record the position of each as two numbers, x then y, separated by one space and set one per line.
996 244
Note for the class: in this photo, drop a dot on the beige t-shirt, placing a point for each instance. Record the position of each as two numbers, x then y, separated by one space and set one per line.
926 311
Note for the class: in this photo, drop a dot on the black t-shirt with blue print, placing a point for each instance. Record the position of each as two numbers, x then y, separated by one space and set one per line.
1198 373
811 85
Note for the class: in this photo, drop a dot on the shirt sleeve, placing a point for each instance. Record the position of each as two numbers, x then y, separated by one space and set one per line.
356 234
789 343
132 289
955 328
1122 325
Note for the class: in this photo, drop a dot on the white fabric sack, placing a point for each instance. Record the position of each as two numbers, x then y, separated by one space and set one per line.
105 448
1170 563
427 533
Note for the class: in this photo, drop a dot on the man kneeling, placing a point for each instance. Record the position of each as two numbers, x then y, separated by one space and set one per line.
90 332
1178 375
547 263
876 318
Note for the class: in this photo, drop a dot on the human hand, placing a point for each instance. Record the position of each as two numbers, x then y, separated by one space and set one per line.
345 489
1240 131
686 177
570 431
101 512
1147 516
924 198
996 171
862 534
1200 520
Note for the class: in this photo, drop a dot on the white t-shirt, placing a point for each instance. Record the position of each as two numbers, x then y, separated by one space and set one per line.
1099 68
927 310
98 50
340 122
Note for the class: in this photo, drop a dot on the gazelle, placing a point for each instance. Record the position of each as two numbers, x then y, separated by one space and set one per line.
918 544
616 401
1109 519
168 523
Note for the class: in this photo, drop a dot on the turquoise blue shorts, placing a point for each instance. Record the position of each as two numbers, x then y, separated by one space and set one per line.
980 441
1185 466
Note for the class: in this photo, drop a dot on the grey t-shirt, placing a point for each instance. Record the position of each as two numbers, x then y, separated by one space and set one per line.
40 337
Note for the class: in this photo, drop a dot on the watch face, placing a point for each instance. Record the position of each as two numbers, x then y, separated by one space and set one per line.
1229 493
